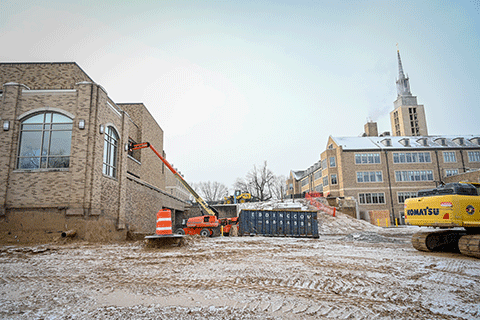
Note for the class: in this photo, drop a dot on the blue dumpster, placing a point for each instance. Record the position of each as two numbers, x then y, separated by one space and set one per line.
278 223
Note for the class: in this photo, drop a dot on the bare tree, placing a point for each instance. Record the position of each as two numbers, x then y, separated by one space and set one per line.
278 187
211 191
259 181
242 185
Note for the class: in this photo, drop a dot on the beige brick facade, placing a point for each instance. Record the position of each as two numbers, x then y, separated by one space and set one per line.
389 165
39 203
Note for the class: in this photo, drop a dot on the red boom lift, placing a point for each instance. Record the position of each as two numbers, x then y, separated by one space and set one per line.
207 225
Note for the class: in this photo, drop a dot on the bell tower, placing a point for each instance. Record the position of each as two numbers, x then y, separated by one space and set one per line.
408 117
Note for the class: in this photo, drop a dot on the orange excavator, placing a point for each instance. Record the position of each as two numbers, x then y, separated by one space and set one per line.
208 224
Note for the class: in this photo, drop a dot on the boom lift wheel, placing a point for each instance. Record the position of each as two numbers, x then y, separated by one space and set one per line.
205 232
180 231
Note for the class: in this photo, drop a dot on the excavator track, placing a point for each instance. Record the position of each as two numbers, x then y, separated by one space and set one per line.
437 241
469 245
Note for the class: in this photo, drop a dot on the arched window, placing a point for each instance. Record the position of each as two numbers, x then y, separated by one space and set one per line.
110 152
45 141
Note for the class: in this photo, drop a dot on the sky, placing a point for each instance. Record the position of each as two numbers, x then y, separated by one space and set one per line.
236 83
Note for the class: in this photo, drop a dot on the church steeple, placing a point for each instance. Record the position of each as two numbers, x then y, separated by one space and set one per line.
407 117
403 86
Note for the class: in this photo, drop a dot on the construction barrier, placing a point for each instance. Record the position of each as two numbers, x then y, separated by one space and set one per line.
320 206
164 222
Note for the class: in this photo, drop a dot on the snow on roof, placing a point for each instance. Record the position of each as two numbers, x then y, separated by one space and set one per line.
391 142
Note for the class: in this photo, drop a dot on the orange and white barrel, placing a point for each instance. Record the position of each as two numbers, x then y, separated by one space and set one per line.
164 222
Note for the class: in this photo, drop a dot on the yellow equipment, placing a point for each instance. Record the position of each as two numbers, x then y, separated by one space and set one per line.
239 197
454 207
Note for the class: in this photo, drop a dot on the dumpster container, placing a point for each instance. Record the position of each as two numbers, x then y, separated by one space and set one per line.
278 223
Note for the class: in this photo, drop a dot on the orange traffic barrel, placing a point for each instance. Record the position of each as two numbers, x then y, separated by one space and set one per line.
164 222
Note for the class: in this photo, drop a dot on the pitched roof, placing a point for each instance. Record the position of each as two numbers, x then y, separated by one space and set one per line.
414 142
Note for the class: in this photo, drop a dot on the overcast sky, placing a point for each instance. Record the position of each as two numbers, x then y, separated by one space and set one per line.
237 83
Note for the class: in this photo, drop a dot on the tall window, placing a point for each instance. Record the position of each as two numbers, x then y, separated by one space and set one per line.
110 152
45 141
332 162
333 178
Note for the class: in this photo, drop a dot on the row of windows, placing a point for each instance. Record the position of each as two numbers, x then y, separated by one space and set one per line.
420 175
45 141
379 197
411 157
414 175
371 198
365 158
449 156
402 196
474 156
369 176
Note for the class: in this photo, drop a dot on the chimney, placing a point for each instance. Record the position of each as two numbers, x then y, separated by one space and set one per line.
371 129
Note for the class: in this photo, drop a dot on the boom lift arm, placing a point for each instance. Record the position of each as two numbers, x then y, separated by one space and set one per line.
205 207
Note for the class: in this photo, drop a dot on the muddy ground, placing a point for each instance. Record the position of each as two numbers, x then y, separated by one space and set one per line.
353 271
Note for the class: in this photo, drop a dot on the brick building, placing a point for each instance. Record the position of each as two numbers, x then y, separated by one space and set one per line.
381 171
64 164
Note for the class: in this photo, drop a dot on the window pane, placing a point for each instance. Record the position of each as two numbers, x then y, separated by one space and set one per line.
58 162
414 157
61 126
60 143
29 163
30 127
359 177
381 198
46 143
58 118
362 197
368 197
366 177
398 176
30 144
35 119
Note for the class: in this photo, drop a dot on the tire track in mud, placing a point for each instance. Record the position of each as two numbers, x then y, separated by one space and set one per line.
337 287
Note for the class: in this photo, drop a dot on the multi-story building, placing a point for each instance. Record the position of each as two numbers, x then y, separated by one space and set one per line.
64 162
381 171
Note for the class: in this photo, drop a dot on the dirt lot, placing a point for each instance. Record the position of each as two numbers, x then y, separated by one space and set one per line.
354 271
